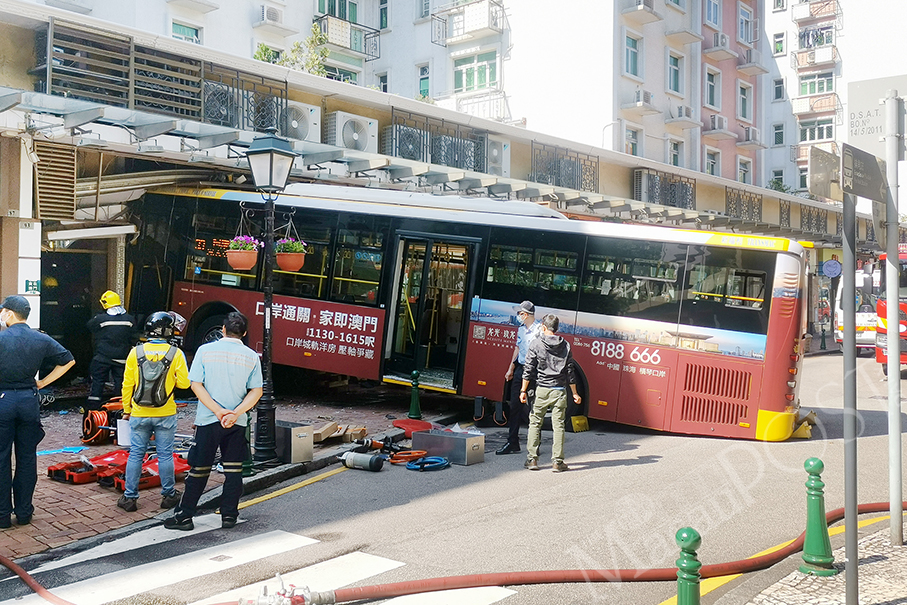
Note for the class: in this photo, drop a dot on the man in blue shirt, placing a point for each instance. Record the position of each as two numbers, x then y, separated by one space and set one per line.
519 412
23 352
226 378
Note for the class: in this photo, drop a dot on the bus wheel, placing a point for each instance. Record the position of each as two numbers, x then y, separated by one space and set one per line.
211 330
885 369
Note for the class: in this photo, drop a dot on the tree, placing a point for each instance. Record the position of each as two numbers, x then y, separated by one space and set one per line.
308 55
778 185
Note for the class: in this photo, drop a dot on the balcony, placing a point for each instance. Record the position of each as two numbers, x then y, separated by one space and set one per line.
720 49
201 6
345 36
641 12
683 36
77 6
467 21
751 63
641 104
822 56
800 153
825 103
816 9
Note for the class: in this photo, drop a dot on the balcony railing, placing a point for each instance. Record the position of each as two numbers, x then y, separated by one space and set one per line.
800 153
817 104
348 36
492 104
816 9
814 57
93 65
467 20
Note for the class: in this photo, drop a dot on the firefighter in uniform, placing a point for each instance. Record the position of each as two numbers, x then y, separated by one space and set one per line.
114 332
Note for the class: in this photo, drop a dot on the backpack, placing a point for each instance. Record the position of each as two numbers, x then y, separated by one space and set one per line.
151 387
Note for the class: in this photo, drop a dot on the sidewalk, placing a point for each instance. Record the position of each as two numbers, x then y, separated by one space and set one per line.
65 513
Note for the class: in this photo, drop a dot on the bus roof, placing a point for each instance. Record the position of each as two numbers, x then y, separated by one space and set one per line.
517 214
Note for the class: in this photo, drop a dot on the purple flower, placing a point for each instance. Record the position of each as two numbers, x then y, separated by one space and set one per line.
244 242
288 244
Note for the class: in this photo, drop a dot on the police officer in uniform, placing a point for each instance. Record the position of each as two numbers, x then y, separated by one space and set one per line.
114 332
23 351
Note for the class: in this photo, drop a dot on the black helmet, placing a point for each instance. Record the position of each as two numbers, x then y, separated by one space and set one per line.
159 325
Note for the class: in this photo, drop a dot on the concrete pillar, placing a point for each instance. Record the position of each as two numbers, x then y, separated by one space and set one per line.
20 233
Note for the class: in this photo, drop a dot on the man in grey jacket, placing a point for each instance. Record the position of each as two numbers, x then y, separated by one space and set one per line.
550 364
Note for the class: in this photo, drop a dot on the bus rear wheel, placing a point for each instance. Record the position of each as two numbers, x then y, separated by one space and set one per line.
210 330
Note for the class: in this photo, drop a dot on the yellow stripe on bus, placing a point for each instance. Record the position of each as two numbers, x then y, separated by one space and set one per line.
748 241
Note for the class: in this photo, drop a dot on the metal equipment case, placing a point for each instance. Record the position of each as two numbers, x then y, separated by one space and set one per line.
459 448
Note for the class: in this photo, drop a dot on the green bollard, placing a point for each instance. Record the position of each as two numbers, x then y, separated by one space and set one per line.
817 556
247 470
415 410
822 346
689 541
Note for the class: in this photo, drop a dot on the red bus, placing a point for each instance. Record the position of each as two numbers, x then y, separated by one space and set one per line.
683 331
882 311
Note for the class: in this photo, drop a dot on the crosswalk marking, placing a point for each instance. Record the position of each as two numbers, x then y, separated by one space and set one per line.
151 536
129 582
327 575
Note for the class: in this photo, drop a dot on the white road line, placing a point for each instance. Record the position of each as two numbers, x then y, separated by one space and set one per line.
458 596
148 537
327 575
142 578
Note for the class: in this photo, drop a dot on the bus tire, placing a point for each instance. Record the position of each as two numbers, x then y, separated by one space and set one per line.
209 331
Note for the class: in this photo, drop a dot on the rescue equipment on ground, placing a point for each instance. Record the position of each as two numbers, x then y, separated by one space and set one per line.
428 463
109 470
99 425
366 462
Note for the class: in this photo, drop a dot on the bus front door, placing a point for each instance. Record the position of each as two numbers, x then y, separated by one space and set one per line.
432 279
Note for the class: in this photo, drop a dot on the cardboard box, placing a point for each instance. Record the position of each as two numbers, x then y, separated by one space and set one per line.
459 448
294 441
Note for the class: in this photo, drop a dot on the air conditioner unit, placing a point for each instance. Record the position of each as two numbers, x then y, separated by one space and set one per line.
497 156
646 186
751 134
753 56
719 122
721 41
455 152
642 96
685 111
271 14
350 131
407 142
301 121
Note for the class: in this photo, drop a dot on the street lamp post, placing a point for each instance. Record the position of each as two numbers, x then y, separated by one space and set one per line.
270 159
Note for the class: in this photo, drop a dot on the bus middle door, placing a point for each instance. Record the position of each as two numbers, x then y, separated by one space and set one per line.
432 279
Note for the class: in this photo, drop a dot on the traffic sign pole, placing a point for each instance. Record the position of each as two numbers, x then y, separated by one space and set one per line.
895 487
849 306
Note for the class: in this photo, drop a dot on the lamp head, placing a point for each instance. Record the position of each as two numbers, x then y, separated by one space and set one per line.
270 159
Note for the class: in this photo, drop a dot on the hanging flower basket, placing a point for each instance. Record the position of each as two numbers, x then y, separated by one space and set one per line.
242 260
242 253
290 254
290 261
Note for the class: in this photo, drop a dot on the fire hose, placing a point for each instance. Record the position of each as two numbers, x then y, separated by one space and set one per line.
302 596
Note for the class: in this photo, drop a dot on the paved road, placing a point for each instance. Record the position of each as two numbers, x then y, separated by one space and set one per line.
626 494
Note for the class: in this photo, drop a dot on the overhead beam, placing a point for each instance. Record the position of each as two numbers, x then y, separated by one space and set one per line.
9 101
440 178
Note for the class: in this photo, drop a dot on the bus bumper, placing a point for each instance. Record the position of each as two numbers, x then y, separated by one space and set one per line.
775 426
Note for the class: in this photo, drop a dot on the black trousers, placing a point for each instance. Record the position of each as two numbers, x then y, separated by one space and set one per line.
100 370
233 449
20 426
519 412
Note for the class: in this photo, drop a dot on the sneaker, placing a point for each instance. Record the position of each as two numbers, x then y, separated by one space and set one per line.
532 464
168 502
228 522
130 505
181 524
559 467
